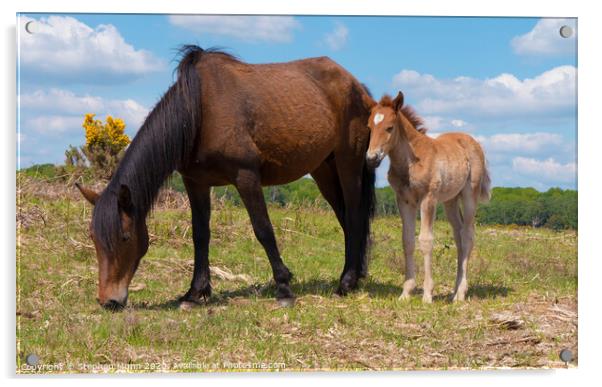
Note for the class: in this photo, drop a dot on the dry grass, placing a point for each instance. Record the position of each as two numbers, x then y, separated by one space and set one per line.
521 309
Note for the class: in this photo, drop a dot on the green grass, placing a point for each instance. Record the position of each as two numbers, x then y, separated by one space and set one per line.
530 274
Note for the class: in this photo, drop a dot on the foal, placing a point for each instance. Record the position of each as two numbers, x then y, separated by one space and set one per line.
423 172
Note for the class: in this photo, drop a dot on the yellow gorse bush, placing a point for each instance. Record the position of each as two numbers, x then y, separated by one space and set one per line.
109 135
105 146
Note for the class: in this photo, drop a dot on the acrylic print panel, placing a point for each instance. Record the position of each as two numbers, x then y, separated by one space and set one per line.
117 122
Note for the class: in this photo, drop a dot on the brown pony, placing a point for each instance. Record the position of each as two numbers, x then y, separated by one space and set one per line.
227 122
424 171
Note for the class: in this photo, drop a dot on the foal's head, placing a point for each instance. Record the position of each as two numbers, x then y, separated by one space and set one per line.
382 122
120 238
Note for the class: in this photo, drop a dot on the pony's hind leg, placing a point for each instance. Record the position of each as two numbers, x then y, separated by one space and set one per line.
356 219
469 206
327 180
427 220
248 184
200 204
407 212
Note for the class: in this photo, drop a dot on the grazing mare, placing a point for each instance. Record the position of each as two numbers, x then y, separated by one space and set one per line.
227 122
423 171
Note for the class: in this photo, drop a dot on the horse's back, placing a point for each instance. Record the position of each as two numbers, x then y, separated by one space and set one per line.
287 114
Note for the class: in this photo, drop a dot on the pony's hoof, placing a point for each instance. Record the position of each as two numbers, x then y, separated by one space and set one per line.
286 302
427 299
196 296
348 283
283 291
458 297
343 290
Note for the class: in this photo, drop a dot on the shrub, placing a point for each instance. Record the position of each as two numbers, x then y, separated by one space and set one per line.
104 147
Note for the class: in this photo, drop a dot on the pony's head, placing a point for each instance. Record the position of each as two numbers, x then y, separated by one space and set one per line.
382 122
121 240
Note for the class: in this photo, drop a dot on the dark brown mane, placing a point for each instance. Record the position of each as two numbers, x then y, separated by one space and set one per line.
408 112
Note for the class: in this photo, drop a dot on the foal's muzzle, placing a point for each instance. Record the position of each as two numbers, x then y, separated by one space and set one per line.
373 159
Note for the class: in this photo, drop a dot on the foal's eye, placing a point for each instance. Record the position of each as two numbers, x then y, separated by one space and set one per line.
389 129
125 237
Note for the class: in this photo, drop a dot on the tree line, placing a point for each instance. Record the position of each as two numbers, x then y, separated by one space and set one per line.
555 208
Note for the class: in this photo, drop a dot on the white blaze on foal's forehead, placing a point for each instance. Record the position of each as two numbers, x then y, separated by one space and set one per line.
378 117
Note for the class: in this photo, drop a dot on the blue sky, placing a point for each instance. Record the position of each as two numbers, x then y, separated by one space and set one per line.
510 82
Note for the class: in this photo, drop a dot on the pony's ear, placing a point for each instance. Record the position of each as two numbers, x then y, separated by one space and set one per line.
124 199
88 194
398 102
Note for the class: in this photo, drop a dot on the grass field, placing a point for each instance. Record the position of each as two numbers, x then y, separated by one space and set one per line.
521 311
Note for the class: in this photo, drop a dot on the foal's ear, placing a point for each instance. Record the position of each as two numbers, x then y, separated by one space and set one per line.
124 199
398 102
88 194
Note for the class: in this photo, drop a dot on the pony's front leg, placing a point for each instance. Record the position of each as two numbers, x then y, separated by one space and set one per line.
427 220
200 204
407 212
248 184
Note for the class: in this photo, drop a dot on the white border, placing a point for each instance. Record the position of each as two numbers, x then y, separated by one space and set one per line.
589 162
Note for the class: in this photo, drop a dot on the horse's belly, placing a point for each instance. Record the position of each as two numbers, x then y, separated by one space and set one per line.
289 163
295 143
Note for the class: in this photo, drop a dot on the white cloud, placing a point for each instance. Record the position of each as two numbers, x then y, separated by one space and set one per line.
545 39
337 38
65 49
51 120
526 143
277 29
446 124
59 111
53 124
549 94
548 170
458 123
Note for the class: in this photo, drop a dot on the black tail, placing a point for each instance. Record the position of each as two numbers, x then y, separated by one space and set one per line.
368 204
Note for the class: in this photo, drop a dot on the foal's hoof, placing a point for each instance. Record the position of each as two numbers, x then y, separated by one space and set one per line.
286 302
458 297
405 297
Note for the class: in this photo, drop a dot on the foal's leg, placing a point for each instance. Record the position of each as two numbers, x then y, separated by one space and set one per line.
248 185
452 211
407 212
427 220
469 202
200 204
